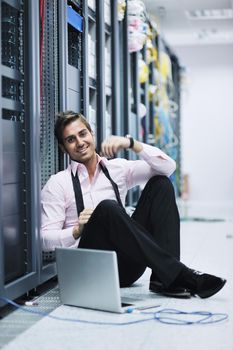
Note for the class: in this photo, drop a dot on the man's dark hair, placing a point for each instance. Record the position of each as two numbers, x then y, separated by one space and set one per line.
64 119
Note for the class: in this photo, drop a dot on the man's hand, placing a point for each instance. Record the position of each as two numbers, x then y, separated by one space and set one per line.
84 216
113 144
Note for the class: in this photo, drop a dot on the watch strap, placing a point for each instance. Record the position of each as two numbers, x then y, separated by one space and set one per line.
131 141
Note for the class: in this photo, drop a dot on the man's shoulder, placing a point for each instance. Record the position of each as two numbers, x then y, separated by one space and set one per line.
58 186
60 178
61 173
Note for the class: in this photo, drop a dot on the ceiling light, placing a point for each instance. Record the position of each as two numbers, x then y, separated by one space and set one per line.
207 33
210 14
213 35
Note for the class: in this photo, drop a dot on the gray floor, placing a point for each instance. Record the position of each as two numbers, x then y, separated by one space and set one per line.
206 246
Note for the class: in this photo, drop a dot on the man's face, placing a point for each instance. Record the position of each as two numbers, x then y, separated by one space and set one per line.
79 142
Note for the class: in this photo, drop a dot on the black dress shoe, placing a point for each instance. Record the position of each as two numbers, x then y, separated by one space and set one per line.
175 292
203 284
198 283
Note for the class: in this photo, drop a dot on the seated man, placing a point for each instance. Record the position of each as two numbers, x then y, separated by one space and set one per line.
82 206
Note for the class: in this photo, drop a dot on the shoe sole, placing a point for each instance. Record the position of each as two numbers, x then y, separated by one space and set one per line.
208 293
185 294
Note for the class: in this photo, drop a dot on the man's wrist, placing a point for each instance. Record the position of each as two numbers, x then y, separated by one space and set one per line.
135 145
76 232
131 140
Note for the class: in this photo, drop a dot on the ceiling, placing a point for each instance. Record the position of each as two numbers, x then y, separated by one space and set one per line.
179 30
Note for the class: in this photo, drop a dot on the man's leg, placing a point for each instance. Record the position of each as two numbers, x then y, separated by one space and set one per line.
111 228
157 212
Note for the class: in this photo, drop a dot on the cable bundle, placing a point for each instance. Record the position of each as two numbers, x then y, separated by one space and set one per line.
121 5
166 316
171 316
138 25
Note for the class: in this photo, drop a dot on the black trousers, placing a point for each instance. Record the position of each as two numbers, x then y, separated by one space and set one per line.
150 238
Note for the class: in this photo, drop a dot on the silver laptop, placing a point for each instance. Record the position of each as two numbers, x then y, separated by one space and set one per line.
89 278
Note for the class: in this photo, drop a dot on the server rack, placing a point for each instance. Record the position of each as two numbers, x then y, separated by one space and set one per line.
115 71
147 127
153 82
71 74
108 67
135 129
100 89
126 127
89 64
84 77
19 108
175 121
172 125
74 29
145 99
124 76
50 95
62 82
134 124
128 100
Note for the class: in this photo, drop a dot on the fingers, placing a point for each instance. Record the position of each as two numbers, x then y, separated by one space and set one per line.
85 215
112 145
87 211
109 147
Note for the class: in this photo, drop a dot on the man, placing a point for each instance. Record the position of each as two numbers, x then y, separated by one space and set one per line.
82 207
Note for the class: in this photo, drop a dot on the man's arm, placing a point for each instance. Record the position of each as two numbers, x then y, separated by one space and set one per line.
152 161
56 229
113 144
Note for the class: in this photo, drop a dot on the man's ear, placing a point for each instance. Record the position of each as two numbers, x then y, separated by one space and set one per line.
93 135
94 139
62 148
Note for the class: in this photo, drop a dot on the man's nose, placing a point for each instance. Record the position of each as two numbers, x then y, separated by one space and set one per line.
79 141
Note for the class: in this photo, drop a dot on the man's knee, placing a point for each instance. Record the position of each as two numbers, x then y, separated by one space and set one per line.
107 209
161 182
107 204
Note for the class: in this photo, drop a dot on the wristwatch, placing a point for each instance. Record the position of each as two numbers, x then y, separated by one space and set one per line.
131 140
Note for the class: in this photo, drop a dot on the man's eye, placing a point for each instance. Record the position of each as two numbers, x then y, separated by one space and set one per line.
83 134
70 139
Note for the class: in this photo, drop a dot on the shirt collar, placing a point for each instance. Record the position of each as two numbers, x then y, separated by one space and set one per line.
80 167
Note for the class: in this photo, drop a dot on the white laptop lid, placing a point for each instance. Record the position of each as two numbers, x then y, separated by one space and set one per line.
89 278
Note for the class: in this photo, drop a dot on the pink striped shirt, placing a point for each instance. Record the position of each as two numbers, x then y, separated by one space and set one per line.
58 207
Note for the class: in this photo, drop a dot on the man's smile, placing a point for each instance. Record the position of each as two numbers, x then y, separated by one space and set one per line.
82 150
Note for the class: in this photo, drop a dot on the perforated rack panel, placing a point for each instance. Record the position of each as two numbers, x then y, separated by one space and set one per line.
14 228
49 90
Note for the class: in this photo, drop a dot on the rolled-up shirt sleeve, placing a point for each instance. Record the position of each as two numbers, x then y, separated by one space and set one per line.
152 162
54 233
158 160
